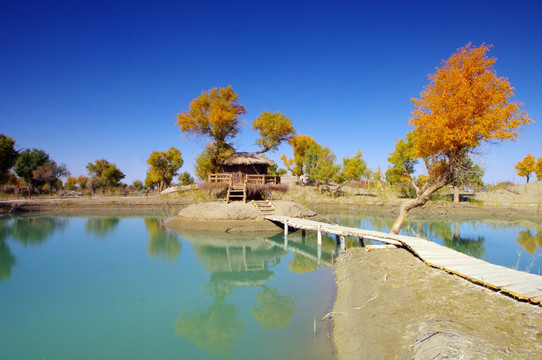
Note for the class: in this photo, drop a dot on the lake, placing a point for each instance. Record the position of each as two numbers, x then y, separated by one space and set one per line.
109 287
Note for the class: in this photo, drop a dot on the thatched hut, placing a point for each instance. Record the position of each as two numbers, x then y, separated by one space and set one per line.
245 163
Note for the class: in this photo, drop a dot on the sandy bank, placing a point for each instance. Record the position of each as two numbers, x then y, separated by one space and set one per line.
235 217
391 305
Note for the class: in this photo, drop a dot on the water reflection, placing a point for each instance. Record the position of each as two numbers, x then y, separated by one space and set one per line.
163 243
274 310
101 226
235 261
31 231
487 237
529 241
28 231
216 328
7 261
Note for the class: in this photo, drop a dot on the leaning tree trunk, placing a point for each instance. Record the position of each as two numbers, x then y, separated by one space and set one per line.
423 196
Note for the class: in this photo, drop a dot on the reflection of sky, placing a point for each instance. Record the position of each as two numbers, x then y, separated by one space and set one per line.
494 241
112 290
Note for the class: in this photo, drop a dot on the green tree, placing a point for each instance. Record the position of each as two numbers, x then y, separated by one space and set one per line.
320 164
186 179
105 175
526 166
464 106
354 168
274 128
138 185
30 160
471 174
8 157
402 161
163 167
206 161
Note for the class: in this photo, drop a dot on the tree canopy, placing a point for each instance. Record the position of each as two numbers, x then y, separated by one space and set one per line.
273 128
300 144
320 164
525 167
163 167
8 157
465 105
29 160
215 113
104 175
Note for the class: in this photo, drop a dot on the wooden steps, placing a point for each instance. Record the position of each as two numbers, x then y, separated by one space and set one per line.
264 206
237 192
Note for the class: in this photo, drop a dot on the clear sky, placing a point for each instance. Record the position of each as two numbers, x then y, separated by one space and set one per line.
85 80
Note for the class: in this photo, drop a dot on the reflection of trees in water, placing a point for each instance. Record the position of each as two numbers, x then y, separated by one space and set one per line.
7 260
302 264
216 328
101 226
529 241
274 311
162 242
34 230
26 230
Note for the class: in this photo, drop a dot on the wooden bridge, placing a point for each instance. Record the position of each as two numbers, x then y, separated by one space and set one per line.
519 284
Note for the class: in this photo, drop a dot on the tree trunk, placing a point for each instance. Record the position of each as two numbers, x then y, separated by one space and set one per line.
456 194
422 198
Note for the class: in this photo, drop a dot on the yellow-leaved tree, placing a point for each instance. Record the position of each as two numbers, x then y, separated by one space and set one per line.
525 167
464 105
216 114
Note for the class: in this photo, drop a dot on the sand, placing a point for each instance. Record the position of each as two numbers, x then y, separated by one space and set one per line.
390 305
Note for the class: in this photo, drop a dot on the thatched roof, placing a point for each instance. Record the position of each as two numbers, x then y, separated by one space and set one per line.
246 158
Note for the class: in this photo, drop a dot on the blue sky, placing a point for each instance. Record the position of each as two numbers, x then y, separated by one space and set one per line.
85 80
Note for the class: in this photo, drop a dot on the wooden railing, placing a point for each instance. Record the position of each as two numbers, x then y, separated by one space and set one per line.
248 179
262 179
216 178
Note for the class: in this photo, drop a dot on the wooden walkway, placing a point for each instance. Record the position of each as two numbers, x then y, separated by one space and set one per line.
519 284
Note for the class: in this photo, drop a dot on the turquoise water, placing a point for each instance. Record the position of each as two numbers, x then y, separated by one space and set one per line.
109 287
105 287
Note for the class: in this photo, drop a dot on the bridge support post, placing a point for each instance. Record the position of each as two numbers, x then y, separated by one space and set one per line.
285 235
361 242
343 243
319 237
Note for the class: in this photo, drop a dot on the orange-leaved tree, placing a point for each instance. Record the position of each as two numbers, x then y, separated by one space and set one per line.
464 105
215 113
526 166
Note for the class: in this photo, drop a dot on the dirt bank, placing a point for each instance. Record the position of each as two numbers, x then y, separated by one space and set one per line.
235 217
390 305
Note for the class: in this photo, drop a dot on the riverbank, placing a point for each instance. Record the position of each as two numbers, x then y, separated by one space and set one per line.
391 305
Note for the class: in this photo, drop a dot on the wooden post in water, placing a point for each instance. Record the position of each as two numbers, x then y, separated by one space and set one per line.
343 243
285 235
361 242
319 237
